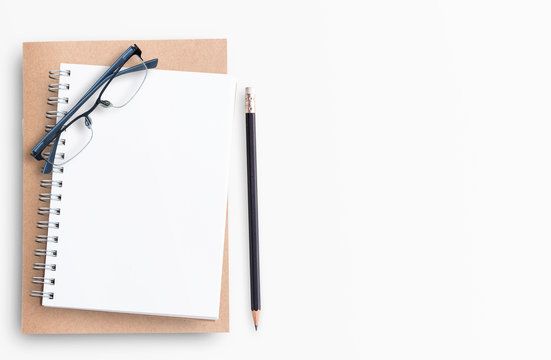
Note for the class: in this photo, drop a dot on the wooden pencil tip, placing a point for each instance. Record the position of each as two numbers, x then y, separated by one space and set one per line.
256 316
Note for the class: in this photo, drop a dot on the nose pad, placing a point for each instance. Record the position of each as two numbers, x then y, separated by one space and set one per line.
105 103
88 122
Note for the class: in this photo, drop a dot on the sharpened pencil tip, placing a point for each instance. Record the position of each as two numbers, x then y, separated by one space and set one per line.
256 314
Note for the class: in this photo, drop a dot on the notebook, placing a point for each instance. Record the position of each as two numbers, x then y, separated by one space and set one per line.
195 55
137 219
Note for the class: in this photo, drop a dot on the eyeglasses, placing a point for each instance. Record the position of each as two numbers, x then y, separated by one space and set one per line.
52 138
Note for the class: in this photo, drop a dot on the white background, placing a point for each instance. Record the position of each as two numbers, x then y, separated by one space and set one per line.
404 176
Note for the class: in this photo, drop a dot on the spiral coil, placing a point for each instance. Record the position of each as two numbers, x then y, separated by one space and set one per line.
57 100
57 86
57 74
43 280
52 210
49 197
45 239
48 211
42 294
54 114
44 252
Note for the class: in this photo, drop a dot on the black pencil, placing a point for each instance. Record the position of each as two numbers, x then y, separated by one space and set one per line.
250 118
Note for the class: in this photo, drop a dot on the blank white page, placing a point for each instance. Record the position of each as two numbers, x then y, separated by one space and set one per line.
143 207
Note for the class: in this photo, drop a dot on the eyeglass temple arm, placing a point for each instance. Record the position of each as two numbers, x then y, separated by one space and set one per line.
150 64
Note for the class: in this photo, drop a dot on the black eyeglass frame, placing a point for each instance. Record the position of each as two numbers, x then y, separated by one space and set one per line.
62 125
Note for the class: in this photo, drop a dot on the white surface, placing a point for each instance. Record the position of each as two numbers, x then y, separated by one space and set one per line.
409 213
151 192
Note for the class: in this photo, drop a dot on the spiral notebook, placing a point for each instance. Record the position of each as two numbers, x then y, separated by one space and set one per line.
135 226
137 220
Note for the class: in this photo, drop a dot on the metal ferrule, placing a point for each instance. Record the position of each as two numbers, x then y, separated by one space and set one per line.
250 107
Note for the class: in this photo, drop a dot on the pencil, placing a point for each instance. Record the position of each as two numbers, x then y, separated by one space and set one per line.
250 118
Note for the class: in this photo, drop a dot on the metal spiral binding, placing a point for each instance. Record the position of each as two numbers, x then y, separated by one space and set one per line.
45 239
54 114
57 100
58 156
51 183
57 86
48 211
44 252
47 224
43 280
50 197
56 169
43 266
42 294
57 74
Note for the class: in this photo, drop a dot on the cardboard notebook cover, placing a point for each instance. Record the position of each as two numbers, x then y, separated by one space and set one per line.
38 58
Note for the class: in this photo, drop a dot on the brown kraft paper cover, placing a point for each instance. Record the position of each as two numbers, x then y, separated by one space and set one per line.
38 58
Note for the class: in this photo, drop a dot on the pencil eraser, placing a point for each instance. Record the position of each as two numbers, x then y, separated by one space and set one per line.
249 90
